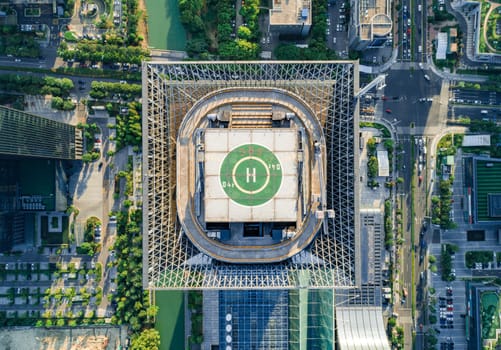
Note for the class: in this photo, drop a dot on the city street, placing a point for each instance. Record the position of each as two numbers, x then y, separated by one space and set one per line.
404 89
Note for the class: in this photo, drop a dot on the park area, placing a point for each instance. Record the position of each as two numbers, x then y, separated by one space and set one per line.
490 37
165 31
489 314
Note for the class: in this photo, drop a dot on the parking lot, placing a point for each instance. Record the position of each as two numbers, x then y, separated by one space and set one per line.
337 24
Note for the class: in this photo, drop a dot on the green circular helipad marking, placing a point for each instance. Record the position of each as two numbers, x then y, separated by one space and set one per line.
251 175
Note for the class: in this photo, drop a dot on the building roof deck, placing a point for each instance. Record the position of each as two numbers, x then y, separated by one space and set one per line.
374 19
290 12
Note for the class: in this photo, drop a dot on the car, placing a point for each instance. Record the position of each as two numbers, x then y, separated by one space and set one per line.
374 59
388 111
123 82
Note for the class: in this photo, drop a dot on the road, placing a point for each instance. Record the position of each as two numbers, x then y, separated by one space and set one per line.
409 87
412 30
418 107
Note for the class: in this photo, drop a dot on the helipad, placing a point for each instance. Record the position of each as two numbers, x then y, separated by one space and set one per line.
251 175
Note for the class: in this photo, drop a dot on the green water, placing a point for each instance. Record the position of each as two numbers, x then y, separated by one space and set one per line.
165 30
170 319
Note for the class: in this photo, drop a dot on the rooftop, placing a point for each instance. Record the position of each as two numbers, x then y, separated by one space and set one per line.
374 19
290 12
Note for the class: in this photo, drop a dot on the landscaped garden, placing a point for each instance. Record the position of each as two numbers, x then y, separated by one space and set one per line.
490 36
483 257
489 314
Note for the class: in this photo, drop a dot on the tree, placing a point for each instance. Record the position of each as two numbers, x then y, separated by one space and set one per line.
197 46
288 51
149 339
372 167
244 33
371 145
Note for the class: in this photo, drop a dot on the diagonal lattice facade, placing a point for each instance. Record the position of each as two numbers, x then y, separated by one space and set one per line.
170 90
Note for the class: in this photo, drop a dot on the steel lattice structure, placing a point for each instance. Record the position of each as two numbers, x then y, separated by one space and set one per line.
171 261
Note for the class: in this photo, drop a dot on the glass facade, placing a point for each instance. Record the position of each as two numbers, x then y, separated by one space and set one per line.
25 134
253 320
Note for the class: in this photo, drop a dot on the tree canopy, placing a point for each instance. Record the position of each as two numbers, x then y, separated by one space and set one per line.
149 339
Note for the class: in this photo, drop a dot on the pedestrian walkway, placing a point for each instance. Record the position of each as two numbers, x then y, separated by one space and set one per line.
41 105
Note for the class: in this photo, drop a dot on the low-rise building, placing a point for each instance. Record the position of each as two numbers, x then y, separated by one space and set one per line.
290 17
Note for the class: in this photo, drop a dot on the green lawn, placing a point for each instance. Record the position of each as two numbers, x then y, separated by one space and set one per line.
70 36
170 319
165 30
487 182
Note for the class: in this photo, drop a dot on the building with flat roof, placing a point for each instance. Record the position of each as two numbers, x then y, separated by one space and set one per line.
29 135
251 195
262 155
371 23
290 17
486 190
482 315
31 150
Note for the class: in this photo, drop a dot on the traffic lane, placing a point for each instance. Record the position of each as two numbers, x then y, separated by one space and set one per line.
23 62
405 202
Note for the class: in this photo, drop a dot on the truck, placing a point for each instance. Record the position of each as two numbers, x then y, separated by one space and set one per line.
420 48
